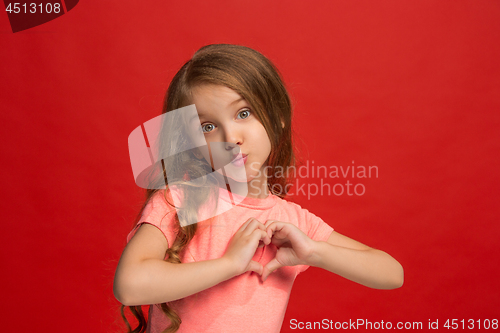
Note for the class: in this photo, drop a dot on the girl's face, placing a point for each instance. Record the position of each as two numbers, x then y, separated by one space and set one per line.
235 137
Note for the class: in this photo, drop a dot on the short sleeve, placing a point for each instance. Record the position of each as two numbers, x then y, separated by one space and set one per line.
159 213
315 228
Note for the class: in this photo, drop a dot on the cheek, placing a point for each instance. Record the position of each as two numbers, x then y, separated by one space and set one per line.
265 142
260 135
220 155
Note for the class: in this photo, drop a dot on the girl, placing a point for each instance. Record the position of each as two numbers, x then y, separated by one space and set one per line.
231 269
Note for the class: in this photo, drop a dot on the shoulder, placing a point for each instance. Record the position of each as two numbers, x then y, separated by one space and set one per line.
293 208
306 221
159 211
165 199
160 202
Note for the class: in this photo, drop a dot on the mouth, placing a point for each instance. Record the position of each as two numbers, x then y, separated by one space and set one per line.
239 160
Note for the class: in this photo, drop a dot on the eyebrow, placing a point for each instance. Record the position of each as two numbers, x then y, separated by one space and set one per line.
237 101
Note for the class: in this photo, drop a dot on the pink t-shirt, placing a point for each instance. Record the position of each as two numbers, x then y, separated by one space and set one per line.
243 303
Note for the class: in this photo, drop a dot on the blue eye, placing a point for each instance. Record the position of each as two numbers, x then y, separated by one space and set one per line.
244 114
206 128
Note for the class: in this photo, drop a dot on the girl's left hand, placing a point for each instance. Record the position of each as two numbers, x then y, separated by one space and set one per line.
294 247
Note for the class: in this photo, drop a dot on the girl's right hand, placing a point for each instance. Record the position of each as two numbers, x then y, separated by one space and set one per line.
243 245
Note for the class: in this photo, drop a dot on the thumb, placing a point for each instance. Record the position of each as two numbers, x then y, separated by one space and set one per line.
270 267
254 266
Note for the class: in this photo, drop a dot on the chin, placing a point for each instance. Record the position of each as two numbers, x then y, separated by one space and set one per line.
240 179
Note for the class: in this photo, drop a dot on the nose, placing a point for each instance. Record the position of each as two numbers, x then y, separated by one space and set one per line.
233 137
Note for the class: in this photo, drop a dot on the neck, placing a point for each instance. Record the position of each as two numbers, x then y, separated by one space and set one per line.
256 188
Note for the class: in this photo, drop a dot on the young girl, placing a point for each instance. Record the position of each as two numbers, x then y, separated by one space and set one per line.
231 269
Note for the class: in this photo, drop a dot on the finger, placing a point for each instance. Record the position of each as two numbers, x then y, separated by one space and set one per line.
245 225
273 228
269 230
254 266
277 229
269 268
268 222
253 225
278 242
284 230
261 235
274 225
279 232
265 238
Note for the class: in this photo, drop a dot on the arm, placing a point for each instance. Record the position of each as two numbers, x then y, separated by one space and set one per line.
339 254
357 262
144 277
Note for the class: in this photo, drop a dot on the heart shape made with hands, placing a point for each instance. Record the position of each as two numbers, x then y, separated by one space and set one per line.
293 246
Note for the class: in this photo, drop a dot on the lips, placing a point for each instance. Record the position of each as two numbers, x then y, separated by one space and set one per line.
240 160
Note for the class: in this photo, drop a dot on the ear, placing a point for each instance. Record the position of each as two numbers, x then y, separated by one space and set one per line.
282 124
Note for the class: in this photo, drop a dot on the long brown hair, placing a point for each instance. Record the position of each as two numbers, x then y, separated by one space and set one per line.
257 80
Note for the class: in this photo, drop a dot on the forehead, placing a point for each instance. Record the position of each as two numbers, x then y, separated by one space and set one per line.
209 96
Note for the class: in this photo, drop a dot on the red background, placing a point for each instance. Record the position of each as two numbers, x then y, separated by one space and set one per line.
412 87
